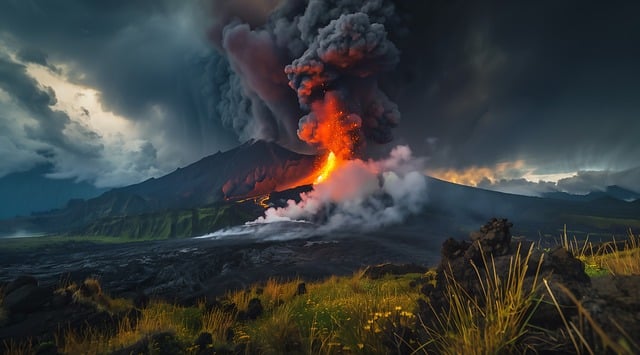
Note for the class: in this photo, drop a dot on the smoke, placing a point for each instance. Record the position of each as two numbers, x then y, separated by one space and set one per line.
291 61
360 195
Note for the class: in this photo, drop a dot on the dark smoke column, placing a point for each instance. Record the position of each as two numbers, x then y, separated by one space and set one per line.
335 79
331 52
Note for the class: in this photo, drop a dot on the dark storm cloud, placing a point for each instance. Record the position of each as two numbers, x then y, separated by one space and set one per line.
147 58
36 56
551 83
50 123
340 45
554 83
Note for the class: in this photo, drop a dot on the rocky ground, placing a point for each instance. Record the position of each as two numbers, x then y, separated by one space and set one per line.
184 271
558 280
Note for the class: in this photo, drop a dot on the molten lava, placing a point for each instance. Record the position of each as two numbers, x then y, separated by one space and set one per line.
328 167
332 128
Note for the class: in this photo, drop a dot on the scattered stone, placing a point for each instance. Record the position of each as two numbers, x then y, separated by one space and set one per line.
203 341
254 310
301 289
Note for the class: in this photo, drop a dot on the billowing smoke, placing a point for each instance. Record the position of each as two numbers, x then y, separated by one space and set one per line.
305 65
359 196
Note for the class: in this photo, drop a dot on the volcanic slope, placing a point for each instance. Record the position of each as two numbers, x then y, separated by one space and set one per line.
214 193
252 169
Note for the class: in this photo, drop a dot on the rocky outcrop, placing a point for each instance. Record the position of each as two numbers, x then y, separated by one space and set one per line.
491 252
37 313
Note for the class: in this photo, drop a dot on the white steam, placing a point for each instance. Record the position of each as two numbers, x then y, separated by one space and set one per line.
360 195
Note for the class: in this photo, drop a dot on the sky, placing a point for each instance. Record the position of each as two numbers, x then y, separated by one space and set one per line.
517 97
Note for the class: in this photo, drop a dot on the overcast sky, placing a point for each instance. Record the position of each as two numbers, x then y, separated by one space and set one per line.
97 94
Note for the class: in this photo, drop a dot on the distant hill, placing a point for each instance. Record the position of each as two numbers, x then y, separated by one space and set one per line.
468 206
615 192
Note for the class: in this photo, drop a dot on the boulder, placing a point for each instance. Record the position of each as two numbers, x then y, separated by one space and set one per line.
492 250
20 281
26 299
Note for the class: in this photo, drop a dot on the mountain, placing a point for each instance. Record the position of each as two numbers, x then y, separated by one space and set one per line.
254 168
533 216
615 192
229 188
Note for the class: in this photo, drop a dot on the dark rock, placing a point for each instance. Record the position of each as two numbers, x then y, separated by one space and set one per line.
301 289
163 343
379 271
61 298
47 348
26 299
141 347
203 341
254 310
141 300
492 251
20 281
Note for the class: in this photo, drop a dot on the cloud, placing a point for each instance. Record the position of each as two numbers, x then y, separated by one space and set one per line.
147 59
39 128
586 181
477 84
361 195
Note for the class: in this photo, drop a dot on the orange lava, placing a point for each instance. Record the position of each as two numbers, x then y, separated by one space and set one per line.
328 167
333 130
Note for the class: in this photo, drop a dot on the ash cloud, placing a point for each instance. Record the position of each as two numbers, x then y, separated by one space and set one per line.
315 48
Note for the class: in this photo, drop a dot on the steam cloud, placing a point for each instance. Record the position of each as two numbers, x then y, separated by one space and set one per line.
327 51
361 195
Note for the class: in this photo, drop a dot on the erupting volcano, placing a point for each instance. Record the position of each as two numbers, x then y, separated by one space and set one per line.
335 80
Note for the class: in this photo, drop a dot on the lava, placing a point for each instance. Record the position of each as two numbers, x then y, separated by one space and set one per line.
334 130
328 167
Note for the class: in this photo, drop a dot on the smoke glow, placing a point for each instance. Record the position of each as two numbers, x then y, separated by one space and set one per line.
361 195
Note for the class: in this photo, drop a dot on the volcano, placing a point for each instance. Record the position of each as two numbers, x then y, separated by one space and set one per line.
252 169
233 187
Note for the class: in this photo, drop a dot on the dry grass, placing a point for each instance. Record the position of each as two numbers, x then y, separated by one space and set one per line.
491 323
356 315
578 331
218 323
625 260
11 347
608 258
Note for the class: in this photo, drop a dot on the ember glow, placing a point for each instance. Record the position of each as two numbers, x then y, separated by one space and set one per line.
331 128
328 167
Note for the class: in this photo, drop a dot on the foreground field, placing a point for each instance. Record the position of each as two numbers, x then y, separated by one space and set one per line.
373 311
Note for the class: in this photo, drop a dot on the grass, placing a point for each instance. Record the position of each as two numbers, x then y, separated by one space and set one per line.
357 315
495 321
611 258
339 315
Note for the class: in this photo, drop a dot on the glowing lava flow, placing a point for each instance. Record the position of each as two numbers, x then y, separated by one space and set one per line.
328 167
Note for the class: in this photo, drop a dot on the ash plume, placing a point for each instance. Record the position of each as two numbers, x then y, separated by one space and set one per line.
293 58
